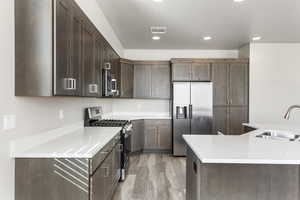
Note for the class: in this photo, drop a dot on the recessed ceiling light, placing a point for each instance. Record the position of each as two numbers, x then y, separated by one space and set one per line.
256 38
207 38
157 0
238 0
155 37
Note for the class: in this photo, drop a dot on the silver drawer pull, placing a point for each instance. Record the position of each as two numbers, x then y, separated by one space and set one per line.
104 152
93 88
69 84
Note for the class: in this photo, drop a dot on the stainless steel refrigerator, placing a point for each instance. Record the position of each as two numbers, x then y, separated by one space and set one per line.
192 112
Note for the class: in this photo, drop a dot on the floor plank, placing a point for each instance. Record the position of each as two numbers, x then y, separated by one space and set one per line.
154 177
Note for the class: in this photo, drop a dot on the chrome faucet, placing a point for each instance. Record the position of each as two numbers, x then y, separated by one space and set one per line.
288 113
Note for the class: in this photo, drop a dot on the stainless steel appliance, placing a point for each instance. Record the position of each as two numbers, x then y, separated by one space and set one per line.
110 86
192 112
93 117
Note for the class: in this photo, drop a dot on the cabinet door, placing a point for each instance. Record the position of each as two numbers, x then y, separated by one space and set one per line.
164 135
101 181
151 140
160 81
127 74
181 72
220 119
201 72
142 81
137 136
98 64
75 63
64 81
116 163
237 116
220 83
238 84
89 83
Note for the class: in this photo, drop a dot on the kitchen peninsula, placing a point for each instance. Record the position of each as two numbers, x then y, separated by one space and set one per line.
243 167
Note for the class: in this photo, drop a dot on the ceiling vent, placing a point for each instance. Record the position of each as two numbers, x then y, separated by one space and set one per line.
158 30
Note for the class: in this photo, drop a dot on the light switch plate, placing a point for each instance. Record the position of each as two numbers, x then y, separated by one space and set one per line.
61 115
9 122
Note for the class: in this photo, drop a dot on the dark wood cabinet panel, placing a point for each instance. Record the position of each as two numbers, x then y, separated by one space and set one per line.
220 83
77 25
150 138
164 135
88 67
181 71
160 82
158 135
220 119
98 63
238 84
63 74
127 76
137 136
237 116
142 81
201 72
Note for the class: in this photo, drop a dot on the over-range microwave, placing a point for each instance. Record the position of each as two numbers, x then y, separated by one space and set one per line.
110 86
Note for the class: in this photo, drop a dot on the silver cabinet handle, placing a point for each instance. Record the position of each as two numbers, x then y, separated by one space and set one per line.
107 66
69 84
93 88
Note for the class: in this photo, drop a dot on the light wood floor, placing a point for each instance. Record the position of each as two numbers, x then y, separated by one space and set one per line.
154 177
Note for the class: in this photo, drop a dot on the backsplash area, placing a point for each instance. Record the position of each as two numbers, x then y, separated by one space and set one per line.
142 106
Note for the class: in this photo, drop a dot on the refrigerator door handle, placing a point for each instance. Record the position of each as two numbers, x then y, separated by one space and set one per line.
191 111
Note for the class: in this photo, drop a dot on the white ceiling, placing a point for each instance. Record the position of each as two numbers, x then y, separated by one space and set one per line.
230 24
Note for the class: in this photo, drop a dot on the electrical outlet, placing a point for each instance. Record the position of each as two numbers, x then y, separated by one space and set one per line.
61 115
9 122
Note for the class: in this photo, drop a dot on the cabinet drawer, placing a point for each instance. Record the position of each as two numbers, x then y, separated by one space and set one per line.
103 153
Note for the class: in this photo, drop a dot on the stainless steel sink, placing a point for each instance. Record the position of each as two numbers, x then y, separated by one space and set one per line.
279 136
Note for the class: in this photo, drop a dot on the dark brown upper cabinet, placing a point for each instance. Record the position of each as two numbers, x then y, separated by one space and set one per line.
142 81
152 79
59 52
181 71
230 82
127 76
238 84
189 70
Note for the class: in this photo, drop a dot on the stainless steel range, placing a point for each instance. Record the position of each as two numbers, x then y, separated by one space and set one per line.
93 118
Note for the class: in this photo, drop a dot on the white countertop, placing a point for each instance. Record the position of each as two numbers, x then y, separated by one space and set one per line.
274 126
245 149
82 143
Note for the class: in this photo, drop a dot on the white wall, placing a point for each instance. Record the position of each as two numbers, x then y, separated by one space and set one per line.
274 82
144 54
36 115
141 106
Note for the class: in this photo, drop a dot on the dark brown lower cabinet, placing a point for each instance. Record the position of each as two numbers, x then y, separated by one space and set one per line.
137 136
229 119
151 135
70 178
157 135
